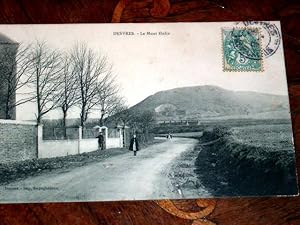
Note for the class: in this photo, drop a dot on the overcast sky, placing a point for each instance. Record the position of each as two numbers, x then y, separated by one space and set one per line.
145 64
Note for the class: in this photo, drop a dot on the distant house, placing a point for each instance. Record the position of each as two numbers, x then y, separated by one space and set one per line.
5 68
180 112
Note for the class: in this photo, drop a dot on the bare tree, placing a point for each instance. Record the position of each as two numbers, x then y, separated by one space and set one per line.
124 116
88 69
14 68
109 102
68 90
143 120
46 71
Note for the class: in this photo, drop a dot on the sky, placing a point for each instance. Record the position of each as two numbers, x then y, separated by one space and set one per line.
190 55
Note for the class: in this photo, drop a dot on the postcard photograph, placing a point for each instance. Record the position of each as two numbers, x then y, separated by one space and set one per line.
102 112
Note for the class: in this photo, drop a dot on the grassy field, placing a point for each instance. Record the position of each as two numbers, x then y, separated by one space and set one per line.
247 160
184 134
275 137
161 129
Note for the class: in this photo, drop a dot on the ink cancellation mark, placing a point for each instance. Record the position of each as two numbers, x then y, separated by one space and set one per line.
270 35
242 50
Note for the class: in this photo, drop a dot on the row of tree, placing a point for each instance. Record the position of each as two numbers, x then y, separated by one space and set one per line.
53 79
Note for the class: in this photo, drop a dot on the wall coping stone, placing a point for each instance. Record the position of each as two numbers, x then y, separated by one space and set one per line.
17 122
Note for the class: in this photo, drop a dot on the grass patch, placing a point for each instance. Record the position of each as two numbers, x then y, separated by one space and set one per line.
19 170
228 167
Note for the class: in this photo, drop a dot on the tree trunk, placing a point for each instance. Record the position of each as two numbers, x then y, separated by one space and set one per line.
7 103
7 110
101 120
39 118
82 117
65 123
81 120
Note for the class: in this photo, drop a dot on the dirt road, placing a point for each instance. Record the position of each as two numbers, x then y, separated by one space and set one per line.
122 177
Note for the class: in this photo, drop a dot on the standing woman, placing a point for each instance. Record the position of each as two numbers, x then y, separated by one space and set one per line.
134 145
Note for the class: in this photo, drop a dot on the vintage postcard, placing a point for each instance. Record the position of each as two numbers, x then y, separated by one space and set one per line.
101 112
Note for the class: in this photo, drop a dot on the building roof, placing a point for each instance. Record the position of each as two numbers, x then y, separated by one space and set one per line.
6 40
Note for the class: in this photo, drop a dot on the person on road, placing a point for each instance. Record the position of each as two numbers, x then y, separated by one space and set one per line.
100 141
169 136
134 145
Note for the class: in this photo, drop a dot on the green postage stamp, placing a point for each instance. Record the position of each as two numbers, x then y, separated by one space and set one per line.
242 50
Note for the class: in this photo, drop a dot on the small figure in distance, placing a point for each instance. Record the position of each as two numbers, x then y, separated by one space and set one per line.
100 141
169 136
134 145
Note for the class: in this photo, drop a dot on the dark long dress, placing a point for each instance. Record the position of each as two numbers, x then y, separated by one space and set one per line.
136 144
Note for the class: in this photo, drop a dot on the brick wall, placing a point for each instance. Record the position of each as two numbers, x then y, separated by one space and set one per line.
17 141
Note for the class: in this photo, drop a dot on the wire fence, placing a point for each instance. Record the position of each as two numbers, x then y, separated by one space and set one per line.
60 133
89 133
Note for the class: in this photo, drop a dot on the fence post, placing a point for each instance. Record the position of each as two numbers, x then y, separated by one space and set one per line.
39 140
106 133
121 138
105 136
79 137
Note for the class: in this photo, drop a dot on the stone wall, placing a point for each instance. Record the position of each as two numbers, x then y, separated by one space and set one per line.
21 140
8 53
17 141
58 148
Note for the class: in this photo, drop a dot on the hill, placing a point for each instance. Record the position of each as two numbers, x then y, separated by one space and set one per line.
207 101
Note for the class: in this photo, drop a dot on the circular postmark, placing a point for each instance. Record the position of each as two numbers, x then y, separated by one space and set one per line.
270 35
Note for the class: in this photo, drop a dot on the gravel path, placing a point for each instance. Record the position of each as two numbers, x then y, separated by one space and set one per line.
122 177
